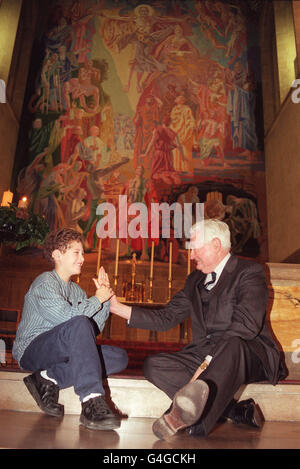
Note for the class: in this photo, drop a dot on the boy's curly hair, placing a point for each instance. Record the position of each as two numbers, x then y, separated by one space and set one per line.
61 240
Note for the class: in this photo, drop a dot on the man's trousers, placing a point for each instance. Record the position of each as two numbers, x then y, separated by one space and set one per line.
233 365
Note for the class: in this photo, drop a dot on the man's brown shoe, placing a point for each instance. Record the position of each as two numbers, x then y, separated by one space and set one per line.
187 407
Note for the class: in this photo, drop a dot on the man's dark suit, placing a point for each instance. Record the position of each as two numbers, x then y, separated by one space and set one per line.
233 332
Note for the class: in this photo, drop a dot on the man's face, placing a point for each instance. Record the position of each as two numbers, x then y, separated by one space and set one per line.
69 263
204 254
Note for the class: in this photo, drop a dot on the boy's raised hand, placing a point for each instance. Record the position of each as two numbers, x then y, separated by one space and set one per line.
102 284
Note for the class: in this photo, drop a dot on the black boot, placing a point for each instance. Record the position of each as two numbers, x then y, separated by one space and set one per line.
247 413
45 394
96 415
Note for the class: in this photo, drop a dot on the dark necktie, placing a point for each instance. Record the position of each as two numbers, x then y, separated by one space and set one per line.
213 279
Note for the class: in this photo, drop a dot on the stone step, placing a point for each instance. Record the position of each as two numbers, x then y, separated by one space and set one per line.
136 397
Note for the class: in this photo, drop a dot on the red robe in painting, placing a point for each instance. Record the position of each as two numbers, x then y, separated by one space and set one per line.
163 146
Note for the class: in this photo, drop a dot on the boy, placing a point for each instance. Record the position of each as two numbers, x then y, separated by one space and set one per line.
56 337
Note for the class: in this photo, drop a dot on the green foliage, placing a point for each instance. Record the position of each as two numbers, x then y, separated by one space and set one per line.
22 228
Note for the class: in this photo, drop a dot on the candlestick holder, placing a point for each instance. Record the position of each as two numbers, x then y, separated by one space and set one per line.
134 292
150 299
116 278
170 289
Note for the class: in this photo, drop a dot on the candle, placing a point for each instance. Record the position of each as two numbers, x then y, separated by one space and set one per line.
99 254
189 262
117 257
6 199
23 203
170 261
152 259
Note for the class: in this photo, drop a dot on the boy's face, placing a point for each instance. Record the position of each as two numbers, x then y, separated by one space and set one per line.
69 263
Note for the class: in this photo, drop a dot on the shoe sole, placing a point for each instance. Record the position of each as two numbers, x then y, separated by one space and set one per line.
105 424
188 405
33 391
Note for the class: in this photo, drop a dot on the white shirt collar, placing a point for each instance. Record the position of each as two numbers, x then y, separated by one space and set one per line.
218 270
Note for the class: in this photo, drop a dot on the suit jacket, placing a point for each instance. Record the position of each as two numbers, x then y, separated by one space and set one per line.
237 308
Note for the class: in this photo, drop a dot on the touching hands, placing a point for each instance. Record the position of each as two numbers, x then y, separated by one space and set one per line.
124 311
103 290
104 293
114 304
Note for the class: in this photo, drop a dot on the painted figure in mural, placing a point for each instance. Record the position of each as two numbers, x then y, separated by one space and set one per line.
50 194
29 178
242 220
214 209
39 137
146 119
100 152
49 78
169 94
218 99
183 124
135 190
88 153
213 120
237 33
163 141
213 19
96 195
240 214
83 30
209 139
176 52
81 88
57 70
135 187
224 26
241 107
146 30
190 196
74 180
42 180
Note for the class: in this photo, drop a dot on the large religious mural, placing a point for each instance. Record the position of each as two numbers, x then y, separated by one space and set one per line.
155 100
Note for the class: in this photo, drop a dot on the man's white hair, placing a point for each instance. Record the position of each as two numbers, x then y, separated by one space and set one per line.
213 229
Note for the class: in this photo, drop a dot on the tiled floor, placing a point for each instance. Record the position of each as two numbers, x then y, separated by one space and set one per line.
29 430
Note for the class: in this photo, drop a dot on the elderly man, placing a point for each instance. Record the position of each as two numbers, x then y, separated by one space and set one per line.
226 299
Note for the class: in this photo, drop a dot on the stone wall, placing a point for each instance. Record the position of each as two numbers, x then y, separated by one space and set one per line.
280 36
18 21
